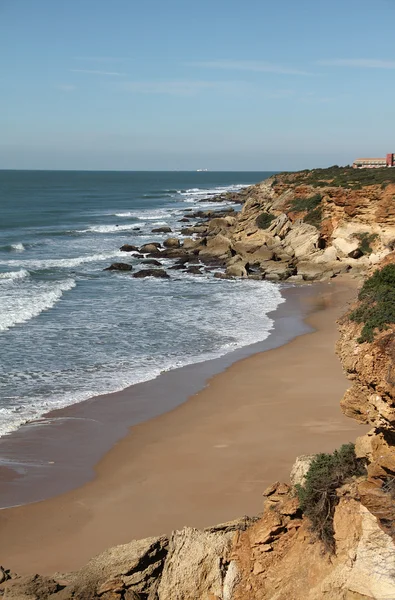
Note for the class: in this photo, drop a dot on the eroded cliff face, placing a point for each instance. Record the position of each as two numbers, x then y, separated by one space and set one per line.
310 234
371 400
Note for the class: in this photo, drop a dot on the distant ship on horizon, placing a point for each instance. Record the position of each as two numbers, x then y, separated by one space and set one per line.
200 170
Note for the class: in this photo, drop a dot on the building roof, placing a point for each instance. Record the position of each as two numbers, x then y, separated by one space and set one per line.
368 159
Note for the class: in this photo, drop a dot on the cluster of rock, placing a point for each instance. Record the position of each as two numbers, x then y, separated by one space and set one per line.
271 557
234 245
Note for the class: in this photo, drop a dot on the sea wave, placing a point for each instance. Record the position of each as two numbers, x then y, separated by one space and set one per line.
108 228
18 247
14 275
63 263
21 306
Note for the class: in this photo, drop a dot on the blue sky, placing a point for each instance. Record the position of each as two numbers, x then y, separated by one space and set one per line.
176 84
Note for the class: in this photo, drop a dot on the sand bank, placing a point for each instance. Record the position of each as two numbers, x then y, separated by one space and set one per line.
203 462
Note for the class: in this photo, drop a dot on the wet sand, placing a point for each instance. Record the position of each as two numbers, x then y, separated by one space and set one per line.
205 461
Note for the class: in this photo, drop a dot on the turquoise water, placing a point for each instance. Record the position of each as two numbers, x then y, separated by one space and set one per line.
68 329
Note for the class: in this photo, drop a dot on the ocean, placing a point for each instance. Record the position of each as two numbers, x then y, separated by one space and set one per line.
70 330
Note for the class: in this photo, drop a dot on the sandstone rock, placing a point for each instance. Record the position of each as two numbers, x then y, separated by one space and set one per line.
303 239
163 229
160 273
312 271
129 248
30 587
190 244
300 469
218 246
196 565
172 243
219 275
150 248
237 270
118 266
199 229
218 224
276 271
135 566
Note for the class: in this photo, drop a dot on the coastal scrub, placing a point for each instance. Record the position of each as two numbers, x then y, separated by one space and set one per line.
264 220
318 497
377 308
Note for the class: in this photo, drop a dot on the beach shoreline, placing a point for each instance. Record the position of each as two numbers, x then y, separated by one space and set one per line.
206 460
58 452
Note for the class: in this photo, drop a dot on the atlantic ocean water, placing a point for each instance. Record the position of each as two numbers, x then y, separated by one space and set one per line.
70 330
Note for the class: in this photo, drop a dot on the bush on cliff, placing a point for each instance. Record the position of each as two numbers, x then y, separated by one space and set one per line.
264 220
377 308
318 497
365 239
310 205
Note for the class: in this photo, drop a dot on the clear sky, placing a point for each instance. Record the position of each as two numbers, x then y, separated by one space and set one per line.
182 84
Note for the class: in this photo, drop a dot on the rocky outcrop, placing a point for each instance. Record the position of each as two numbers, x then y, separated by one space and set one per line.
371 400
118 266
129 248
190 565
160 273
329 245
277 557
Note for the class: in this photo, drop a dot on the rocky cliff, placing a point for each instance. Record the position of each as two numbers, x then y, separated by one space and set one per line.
298 227
277 556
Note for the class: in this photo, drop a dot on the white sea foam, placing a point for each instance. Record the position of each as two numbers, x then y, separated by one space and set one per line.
23 304
18 247
14 275
64 263
108 228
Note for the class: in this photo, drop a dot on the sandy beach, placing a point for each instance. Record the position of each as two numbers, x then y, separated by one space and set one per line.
204 462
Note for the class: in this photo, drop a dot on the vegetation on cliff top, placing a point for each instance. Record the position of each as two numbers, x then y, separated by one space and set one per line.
318 497
377 308
336 176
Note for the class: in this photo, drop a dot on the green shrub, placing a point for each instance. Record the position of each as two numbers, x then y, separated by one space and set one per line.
264 220
308 204
318 497
365 239
377 308
314 217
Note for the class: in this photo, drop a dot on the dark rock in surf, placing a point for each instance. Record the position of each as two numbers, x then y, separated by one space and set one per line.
118 266
160 273
129 248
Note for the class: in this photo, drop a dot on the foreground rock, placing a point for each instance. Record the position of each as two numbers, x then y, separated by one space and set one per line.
163 229
160 273
129 248
118 266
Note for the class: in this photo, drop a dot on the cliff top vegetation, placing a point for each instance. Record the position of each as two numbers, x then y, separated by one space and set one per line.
336 176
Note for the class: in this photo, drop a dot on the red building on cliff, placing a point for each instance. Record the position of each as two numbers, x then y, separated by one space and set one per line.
374 163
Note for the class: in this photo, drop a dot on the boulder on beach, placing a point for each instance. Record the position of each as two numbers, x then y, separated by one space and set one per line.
164 229
129 248
172 243
160 273
119 266
149 248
